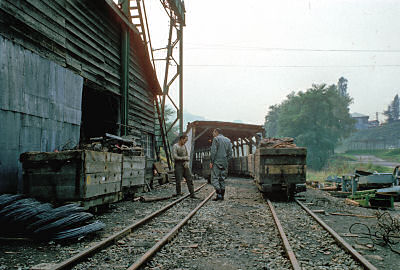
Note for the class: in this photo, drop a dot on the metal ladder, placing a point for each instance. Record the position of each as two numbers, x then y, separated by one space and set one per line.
138 18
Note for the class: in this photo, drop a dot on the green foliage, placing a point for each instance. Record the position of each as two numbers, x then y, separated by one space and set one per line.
170 116
317 119
392 112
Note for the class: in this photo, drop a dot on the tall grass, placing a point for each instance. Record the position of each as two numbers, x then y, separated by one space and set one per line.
386 154
339 165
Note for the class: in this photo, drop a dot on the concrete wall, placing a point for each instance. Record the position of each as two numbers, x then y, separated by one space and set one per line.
40 108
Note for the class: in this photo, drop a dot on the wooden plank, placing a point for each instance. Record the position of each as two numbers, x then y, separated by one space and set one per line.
32 20
284 169
135 111
83 15
49 167
148 100
282 151
110 55
102 188
97 11
80 39
133 173
102 167
138 111
94 64
17 32
59 186
133 165
51 15
140 127
101 178
113 157
45 156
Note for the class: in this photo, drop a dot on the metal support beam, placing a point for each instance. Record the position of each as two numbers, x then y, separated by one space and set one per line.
124 71
180 68
201 133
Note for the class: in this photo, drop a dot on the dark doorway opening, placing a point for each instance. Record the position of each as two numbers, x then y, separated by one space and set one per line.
100 114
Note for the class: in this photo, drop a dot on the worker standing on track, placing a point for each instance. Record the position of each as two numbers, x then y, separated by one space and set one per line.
221 152
181 157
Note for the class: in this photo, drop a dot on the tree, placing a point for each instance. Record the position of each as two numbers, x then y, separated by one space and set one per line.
342 86
271 121
395 107
317 119
170 116
392 112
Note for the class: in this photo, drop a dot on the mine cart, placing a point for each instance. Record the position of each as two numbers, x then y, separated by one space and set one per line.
250 164
89 177
244 171
133 172
206 171
278 170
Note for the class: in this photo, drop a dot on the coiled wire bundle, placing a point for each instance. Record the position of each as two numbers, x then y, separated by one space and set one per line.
386 231
27 217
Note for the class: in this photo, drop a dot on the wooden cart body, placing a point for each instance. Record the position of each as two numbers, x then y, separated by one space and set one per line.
90 178
279 169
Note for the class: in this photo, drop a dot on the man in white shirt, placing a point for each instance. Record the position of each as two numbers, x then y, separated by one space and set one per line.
181 157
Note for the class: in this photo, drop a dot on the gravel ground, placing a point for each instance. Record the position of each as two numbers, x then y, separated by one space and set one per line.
313 246
25 255
380 256
237 233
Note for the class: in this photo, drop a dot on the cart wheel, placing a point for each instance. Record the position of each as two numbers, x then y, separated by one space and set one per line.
290 190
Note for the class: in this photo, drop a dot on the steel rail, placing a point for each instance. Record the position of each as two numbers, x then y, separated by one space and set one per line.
150 253
108 241
288 248
339 239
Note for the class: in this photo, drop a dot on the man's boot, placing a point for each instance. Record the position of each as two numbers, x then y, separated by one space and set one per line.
217 198
222 194
193 196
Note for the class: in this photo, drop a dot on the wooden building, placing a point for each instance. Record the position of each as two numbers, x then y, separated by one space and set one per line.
70 70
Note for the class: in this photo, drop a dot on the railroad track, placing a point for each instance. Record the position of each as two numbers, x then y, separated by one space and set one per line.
130 247
311 243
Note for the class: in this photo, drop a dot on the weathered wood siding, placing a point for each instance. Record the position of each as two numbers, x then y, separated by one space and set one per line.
83 36
80 35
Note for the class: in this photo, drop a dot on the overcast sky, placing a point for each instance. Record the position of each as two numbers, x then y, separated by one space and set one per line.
240 57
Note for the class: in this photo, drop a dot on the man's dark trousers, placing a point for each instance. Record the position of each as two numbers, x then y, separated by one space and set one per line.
180 171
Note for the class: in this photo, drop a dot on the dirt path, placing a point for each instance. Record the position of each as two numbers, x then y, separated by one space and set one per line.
365 159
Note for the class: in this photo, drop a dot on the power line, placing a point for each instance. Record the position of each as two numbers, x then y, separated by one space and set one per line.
291 66
229 47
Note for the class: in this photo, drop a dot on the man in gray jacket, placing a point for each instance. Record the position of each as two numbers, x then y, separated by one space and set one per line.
221 152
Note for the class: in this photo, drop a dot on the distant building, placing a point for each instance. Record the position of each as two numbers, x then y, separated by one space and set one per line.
373 123
361 120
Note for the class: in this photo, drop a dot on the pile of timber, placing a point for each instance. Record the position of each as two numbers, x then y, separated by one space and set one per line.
111 143
278 143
